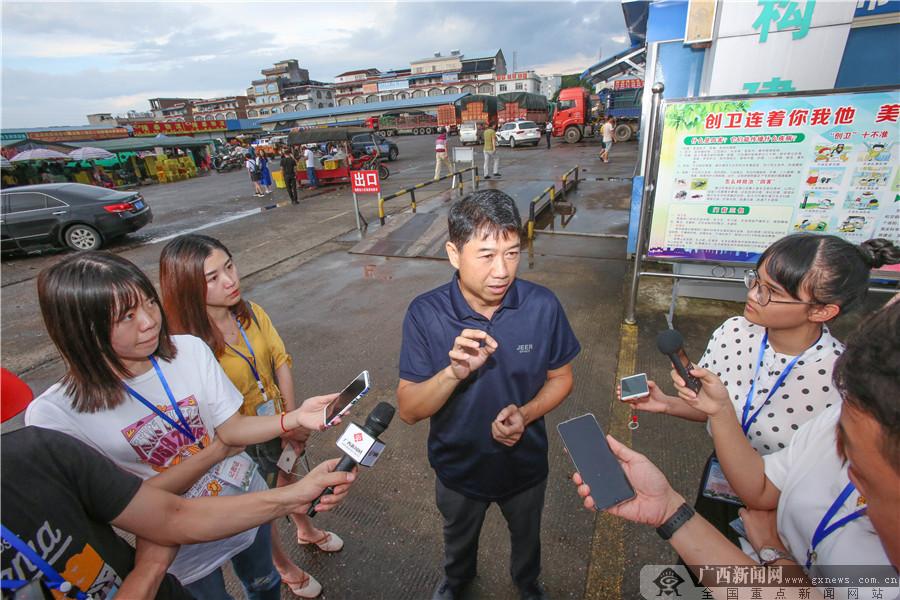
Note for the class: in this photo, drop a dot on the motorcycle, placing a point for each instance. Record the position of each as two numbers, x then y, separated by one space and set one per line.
370 162
228 161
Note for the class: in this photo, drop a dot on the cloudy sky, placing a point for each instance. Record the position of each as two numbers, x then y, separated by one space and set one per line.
62 61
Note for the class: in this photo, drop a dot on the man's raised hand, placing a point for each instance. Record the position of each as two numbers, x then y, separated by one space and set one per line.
470 351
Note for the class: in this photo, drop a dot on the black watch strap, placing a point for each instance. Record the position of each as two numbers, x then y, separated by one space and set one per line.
674 523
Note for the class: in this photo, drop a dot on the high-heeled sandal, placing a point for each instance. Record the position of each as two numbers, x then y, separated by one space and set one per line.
329 542
305 587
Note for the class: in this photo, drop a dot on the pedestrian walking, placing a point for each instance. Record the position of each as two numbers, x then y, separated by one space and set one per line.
489 136
310 156
289 172
252 166
548 131
607 132
441 155
265 175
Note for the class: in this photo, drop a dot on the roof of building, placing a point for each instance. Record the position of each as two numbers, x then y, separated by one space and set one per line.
481 54
59 128
134 144
335 111
356 72
476 66
434 58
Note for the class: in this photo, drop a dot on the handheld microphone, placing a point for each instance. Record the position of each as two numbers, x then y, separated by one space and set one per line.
671 344
360 445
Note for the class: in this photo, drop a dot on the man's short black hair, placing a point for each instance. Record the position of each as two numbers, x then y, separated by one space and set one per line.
867 375
485 213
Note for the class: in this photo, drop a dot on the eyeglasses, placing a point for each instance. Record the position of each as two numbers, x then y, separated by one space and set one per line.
764 292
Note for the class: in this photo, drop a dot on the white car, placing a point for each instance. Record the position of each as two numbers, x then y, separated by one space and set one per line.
517 133
468 133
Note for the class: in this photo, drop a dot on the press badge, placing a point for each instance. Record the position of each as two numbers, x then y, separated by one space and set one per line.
266 409
237 471
716 486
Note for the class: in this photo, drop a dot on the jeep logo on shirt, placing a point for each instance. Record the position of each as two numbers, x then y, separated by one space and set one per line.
524 348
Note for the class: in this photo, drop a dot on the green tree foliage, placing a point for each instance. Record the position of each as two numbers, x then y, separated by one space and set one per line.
692 117
569 81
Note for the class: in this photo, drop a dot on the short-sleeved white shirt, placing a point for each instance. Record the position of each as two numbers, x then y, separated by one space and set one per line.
141 442
811 475
807 391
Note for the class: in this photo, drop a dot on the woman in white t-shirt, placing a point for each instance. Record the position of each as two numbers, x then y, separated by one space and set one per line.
777 359
159 406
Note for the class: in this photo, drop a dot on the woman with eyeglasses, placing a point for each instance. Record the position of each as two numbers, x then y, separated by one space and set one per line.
776 360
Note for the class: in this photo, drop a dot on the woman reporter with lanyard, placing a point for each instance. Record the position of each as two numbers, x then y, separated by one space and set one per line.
776 360
159 406
202 296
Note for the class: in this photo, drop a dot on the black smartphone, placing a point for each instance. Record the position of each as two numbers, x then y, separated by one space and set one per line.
684 366
598 466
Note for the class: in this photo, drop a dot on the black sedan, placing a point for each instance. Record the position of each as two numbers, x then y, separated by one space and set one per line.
82 217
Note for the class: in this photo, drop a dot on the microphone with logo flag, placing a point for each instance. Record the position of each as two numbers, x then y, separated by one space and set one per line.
360 444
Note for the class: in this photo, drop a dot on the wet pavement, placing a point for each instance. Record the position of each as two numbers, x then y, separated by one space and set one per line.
340 313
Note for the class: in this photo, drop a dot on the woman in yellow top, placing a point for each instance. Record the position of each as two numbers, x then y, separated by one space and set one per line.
202 296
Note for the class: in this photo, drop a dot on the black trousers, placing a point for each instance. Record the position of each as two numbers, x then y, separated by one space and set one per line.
463 518
548 139
291 182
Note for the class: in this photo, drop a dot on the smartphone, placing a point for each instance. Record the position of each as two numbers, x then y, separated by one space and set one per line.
635 387
598 466
351 394
288 459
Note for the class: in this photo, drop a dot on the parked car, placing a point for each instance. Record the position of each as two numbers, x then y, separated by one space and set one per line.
469 133
517 133
82 217
362 144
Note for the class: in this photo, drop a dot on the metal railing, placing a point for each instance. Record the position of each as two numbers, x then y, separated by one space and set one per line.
550 192
457 184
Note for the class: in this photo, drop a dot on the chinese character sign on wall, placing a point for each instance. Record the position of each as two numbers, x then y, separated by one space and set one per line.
737 174
365 182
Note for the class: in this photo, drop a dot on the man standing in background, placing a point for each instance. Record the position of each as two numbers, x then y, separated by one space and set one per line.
490 152
289 172
607 131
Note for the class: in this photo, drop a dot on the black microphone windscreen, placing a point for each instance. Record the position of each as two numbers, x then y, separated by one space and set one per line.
669 341
380 417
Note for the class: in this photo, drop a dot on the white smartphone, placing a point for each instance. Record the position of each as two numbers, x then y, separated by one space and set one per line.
635 387
351 394
288 459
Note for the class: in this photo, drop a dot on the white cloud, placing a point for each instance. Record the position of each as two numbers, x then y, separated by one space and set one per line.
63 61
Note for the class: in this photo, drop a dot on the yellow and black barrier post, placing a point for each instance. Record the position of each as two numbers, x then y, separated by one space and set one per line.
412 190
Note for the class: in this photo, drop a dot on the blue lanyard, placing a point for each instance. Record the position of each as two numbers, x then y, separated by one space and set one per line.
252 364
747 419
53 579
183 426
826 527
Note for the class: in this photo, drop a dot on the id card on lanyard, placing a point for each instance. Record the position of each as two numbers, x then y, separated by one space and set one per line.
51 578
267 408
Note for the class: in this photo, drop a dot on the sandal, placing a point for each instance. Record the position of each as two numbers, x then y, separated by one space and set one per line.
305 587
329 542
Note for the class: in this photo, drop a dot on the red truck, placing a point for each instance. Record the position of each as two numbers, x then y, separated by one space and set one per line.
512 106
413 123
572 117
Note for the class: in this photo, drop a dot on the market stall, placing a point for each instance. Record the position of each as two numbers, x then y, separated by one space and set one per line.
332 171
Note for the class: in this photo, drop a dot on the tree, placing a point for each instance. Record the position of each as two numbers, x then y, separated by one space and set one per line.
573 80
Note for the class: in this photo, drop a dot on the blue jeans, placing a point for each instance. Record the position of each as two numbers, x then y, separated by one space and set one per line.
253 567
311 175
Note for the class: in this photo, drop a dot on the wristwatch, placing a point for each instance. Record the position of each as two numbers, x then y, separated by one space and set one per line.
768 555
674 523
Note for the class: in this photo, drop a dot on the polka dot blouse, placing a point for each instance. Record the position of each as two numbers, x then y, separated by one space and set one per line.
807 391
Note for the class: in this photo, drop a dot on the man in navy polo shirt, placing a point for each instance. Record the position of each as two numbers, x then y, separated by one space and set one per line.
485 357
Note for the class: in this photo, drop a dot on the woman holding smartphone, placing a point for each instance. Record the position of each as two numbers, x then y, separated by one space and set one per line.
159 406
776 360
201 295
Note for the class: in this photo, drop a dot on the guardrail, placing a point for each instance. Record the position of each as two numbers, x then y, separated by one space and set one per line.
550 193
412 190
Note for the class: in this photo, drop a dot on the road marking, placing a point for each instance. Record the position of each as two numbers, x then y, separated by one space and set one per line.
334 217
607 559
242 215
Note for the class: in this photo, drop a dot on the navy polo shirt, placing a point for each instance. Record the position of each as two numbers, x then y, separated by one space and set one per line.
533 337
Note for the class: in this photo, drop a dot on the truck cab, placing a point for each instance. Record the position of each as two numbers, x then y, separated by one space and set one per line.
572 117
